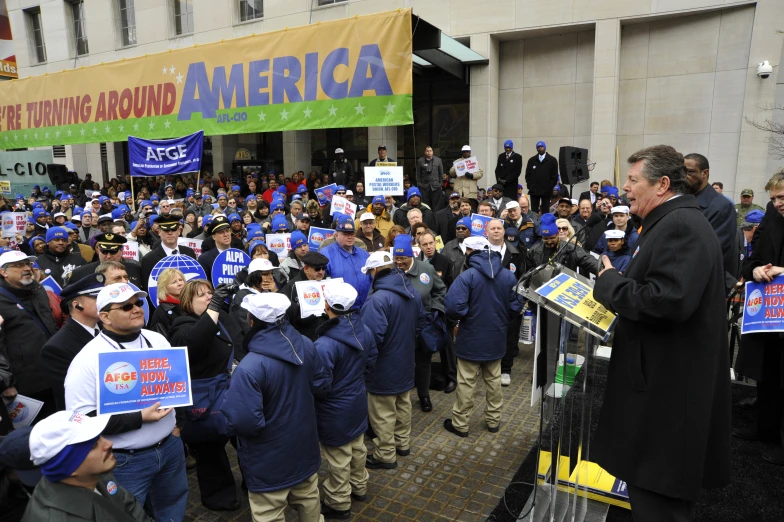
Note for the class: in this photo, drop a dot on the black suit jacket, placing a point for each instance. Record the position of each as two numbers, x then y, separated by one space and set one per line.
720 213
443 267
134 269
206 259
587 195
57 354
507 173
158 253
541 177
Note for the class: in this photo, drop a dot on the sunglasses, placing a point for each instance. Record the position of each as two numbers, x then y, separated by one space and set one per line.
127 307
565 229
462 228
318 269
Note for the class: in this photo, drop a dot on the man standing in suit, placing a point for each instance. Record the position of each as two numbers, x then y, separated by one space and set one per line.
78 301
508 169
220 231
541 175
591 194
169 229
109 247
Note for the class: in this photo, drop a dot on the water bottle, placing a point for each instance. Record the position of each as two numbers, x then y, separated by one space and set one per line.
527 328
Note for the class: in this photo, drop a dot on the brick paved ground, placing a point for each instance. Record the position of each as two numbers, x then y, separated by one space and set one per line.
445 477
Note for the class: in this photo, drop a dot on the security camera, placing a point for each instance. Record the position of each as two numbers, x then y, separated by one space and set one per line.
764 70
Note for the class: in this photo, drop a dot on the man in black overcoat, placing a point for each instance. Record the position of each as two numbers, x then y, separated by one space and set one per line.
170 229
541 175
665 423
508 169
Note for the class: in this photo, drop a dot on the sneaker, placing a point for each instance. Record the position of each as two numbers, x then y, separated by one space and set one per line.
506 379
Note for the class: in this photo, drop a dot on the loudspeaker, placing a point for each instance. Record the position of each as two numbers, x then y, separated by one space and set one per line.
58 174
573 165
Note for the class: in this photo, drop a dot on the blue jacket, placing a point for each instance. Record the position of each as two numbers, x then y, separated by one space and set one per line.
631 238
348 266
483 299
620 260
347 349
395 316
269 407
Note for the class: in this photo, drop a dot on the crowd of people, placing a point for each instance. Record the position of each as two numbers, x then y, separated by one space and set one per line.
418 279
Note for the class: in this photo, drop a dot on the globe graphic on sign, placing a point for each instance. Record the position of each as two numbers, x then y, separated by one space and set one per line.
185 264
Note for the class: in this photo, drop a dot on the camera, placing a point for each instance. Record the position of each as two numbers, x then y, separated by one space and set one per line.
764 70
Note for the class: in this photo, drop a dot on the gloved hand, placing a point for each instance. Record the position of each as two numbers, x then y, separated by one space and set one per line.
469 175
219 296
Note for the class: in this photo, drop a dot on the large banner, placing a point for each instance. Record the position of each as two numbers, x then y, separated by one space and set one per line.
7 53
764 308
353 72
165 157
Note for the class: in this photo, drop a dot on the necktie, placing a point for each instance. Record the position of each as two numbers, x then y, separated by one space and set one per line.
97 332
174 252
507 155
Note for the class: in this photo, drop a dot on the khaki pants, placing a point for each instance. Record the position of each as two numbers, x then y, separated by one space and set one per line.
390 417
304 497
467 373
346 473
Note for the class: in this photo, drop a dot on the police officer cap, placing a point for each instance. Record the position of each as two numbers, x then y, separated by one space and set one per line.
340 297
106 218
315 260
620 209
219 223
110 243
89 285
615 234
167 223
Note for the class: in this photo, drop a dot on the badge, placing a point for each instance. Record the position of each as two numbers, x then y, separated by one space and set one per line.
511 161
424 278
534 166
111 488
636 250
512 268
19 306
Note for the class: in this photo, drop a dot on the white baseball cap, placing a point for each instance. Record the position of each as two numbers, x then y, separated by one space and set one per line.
54 433
367 216
614 234
58 214
620 209
116 293
349 193
267 307
260 264
338 151
377 259
96 194
575 202
475 242
14 256
466 148
340 296
512 204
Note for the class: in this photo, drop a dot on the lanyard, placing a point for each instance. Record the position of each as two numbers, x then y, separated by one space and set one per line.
118 346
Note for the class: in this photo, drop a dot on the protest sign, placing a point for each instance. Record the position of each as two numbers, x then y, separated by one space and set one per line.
479 224
384 181
386 164
310 295
23 410
165 157
131 250
280 244
324 194
51 285
185 264
319 235
227 265
439 244
343 206
131 380
764 307
14 223
194 244
466 165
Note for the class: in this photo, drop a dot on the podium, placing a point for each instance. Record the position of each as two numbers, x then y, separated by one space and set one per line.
570 325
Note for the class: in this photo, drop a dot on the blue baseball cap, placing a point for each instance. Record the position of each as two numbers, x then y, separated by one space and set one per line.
117 213
20 196
189 193
508 143
413 191
296 197
235 187
102 199
146 203
340 188
151 220
379 199
255 232
302 189
298 239
279 223
234 217
610 191
402 246
754 217
541 144
548 228
56 233
344 223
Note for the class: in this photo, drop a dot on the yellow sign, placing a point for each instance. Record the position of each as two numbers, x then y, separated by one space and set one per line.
577 297
386 164
242 154
353 72
439 243
5 187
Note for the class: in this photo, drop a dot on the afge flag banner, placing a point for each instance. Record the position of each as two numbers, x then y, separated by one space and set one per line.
165 157
131 380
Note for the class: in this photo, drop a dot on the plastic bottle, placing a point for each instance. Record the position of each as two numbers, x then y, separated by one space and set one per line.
527 328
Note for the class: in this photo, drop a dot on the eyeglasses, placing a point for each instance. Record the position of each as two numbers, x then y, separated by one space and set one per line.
565 229
19 264
127 307
318 269
462 228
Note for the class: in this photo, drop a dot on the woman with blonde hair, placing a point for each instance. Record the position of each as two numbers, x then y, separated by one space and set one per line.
565 229
170 284
393 233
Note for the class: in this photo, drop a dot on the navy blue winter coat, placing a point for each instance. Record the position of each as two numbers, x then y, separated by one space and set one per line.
348 266
347 350
620 260
270 407
395 316
483 299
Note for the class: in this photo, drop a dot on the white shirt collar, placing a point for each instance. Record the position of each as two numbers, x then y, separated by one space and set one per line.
541 156
501 249
167 249
90 330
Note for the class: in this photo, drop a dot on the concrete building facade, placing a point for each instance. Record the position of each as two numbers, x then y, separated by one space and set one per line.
597 74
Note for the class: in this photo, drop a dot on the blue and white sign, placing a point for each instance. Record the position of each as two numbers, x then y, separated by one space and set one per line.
763 310
317 235
185 264
131 380
51 285
227 265
165 157
324 194
479 224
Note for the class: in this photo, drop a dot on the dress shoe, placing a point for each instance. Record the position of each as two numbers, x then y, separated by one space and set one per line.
774 456
450 428
403 452
425 404
334 514
372 463
494 429
358 498
450 387
746 433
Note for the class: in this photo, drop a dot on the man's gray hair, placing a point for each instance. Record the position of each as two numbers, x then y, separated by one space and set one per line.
660 161
106 265
413 210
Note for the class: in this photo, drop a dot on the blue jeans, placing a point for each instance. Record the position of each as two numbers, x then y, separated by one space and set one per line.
157 475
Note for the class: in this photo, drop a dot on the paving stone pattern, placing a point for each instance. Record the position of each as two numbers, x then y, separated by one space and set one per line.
445 477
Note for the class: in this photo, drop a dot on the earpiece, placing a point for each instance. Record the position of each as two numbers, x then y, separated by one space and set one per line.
79 307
